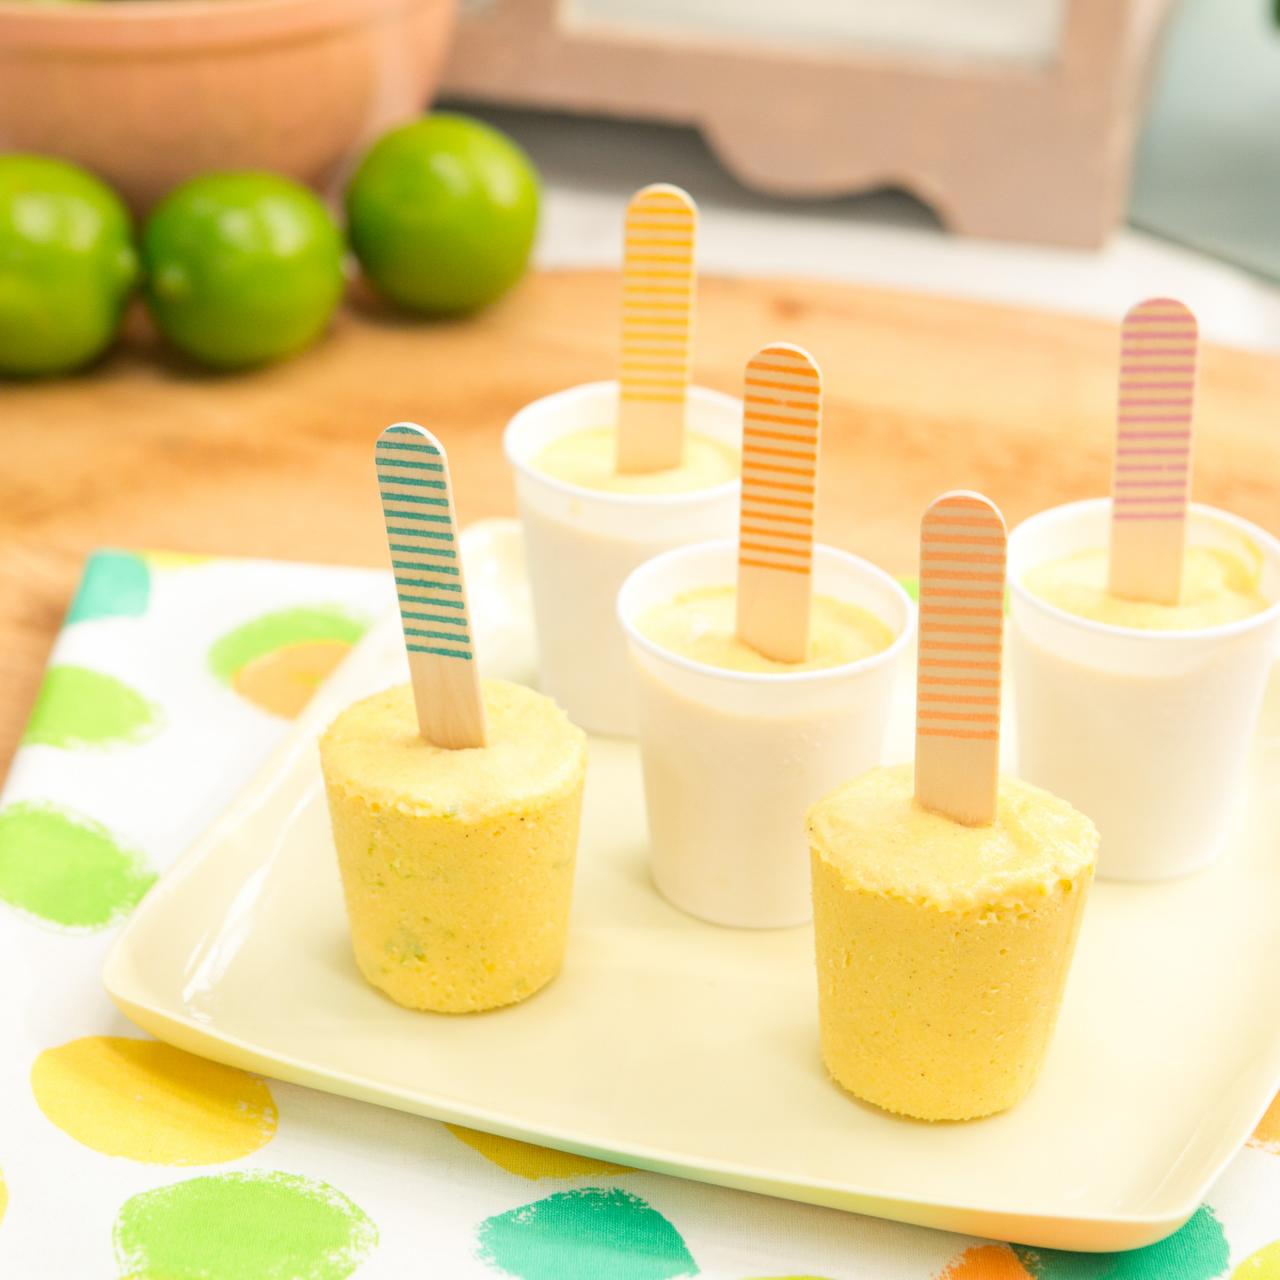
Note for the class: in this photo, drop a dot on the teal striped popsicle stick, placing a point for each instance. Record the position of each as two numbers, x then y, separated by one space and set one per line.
422 536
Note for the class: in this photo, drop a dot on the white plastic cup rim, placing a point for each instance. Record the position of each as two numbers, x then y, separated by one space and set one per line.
659 565
557 401
1182 636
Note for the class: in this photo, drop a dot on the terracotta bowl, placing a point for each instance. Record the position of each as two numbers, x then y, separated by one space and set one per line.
149 92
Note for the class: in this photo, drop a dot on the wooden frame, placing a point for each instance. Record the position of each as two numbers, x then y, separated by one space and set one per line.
995 148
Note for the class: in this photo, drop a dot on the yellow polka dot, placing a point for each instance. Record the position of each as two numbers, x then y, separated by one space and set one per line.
148 1101
1267 1134
1263 1265
527 1161
4 1196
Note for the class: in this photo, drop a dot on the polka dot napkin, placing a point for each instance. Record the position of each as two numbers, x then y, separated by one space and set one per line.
122 1157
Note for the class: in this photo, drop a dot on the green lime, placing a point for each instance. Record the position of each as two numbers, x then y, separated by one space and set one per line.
67 265
242 268
442 214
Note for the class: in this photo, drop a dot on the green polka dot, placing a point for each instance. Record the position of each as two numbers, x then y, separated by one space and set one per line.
272 631
605 1234
1263 1265
77 707
1197 1252
67 869
116 584
242 1226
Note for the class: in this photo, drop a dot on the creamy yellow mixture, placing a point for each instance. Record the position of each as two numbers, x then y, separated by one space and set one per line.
881 841
589 460
532 752
700 625
943 949
1217 587
457 866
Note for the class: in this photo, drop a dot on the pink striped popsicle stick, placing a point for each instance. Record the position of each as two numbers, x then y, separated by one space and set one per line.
962 578
1151 477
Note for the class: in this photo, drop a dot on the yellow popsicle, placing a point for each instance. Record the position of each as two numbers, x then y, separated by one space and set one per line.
457 865
943 948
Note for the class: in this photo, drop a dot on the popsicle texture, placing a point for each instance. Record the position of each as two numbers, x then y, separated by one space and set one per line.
589 460
699 625
943 949
457 865
1217 587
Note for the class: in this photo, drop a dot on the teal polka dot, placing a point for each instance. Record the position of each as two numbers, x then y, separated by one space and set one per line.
1197 1252
116 584
605 1234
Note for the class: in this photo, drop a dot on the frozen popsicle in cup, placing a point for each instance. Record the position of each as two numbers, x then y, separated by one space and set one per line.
1144 628
454 801
762 667
947 900
609 474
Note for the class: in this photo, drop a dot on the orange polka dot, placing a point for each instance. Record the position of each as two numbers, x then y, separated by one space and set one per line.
986 1262
1267 1135
283 681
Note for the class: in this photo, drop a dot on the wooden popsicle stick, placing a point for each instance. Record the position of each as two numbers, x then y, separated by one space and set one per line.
1151 475
422 533
781 421
658 281
962 579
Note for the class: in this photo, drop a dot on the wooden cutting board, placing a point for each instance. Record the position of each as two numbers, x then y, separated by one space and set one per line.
923 394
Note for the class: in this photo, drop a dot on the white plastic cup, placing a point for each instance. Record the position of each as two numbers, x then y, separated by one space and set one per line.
580 544
733 759
1146 732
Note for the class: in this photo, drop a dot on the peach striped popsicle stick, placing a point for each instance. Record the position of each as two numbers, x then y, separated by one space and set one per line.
422 533
782 416
1151 476
962 576
657 327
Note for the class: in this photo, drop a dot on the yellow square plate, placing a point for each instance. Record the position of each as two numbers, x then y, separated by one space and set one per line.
692 1050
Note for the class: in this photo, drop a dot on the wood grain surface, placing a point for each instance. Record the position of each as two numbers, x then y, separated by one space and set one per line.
922 395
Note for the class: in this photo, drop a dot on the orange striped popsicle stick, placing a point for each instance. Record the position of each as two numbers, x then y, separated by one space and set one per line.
422 533
657 327
1151 476
962 576
782 416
